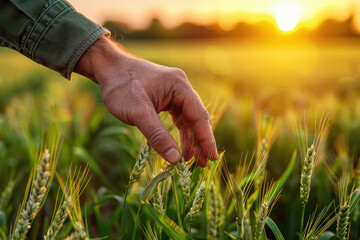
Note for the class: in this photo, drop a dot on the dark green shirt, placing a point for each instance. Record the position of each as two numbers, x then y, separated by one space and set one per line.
50 32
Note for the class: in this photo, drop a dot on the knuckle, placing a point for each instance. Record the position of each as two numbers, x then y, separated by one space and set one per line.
179 75
206 115
158 137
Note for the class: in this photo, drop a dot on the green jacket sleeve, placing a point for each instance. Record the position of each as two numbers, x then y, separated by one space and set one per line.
49 32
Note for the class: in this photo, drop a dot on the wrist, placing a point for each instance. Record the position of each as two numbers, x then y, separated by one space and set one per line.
98 59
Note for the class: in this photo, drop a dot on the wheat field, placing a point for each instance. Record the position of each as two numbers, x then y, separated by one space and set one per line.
285 118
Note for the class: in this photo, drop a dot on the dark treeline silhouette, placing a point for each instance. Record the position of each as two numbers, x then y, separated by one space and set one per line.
328 28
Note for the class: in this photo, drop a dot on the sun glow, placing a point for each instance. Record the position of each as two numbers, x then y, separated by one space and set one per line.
287 15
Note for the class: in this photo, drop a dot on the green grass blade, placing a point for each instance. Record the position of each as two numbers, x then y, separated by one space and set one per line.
328 236
280 183
274 228
354 199
231 236
2 234
178 210
168 225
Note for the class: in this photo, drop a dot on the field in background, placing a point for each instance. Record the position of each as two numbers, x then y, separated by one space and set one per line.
277 78
282 80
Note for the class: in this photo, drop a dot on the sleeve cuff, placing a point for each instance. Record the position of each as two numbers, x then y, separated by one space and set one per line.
60 36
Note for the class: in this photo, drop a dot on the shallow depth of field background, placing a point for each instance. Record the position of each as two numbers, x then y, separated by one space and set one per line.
285 77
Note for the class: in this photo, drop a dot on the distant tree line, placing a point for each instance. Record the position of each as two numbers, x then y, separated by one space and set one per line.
328 28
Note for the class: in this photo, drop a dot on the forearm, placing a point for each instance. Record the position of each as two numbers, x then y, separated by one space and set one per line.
51 33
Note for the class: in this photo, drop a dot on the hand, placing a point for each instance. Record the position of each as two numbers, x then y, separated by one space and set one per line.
135 91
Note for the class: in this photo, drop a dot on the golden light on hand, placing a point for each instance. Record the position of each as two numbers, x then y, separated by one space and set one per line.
287 15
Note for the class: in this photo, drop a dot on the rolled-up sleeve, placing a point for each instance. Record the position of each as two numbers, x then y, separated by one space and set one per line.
51 33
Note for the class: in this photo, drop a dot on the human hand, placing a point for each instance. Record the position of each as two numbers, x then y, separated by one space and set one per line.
135 91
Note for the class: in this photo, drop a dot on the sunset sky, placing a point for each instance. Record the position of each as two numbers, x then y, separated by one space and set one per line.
137 13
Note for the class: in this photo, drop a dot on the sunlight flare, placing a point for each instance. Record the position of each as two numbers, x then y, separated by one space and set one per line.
287 15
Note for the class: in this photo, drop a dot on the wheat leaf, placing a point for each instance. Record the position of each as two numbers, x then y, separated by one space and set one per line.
151 187
272 225
168 225
280 183
328 235
354 199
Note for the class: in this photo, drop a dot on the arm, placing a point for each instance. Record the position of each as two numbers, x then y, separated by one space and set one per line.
50 32
133 90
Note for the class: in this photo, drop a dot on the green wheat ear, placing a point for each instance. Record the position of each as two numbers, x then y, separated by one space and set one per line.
184 178
76 183
37 194
261 219
343 222
310 155
140 163
158 200
212 213
73 187
268 200
247 227
305 181
344 209
58 221
309 158
197 203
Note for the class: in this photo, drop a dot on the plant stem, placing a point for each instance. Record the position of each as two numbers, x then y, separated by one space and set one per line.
136 222
177 205
124 213
302 222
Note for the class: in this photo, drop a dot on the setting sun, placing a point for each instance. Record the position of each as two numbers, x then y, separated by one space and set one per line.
287 15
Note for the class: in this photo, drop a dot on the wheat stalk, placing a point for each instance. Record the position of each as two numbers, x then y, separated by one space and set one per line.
261 219
197 203
184 178
343 222
212 213
309 156
344 209
158 200
220 218
35 199
267 130
240 212
263 145
247 228
140 163
158 203
59 219
305 181
139 167
239 203
269 197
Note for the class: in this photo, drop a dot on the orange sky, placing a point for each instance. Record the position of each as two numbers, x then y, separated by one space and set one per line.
225 12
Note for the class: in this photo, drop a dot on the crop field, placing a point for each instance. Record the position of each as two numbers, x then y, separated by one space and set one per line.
285 117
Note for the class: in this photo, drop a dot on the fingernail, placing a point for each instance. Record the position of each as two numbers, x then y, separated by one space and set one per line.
172 155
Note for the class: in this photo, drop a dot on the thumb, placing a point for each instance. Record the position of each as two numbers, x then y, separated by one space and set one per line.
158 137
